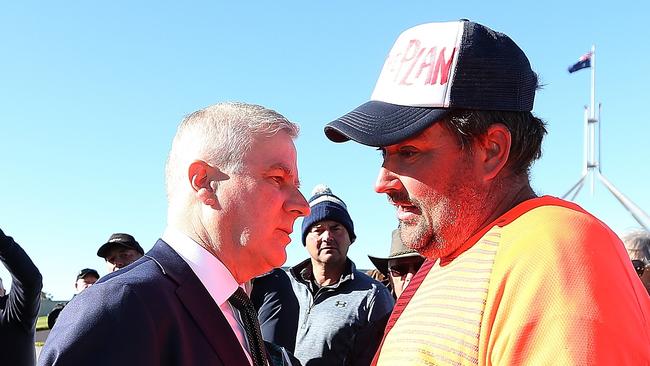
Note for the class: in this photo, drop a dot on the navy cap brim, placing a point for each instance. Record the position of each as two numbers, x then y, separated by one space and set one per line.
381 124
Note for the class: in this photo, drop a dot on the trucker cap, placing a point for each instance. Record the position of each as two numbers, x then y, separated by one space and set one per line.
432 69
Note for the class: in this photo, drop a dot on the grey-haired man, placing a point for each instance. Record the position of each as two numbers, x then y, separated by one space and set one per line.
232 193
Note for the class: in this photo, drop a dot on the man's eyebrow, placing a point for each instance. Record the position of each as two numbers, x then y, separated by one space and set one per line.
288 172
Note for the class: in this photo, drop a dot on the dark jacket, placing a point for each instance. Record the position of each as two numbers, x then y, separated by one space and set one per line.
153 312
277 308
19 308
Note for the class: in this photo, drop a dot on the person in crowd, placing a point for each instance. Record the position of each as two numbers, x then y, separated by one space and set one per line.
400 266
85 278
637 244
233 196
277 308
119 251
379 277
342 310
18 308
505 281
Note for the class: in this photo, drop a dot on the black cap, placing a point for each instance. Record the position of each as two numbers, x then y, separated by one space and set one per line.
119 239
87 271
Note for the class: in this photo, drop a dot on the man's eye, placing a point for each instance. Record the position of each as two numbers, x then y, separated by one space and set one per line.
277 179
407 153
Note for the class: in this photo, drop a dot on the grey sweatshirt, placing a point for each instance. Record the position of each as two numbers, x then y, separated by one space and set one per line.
340 324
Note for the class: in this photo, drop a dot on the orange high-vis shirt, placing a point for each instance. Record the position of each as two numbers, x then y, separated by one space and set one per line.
545 284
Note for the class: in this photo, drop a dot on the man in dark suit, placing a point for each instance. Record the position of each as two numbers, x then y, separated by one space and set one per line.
233 197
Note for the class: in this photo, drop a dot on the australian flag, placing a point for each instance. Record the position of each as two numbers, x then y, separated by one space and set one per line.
583 62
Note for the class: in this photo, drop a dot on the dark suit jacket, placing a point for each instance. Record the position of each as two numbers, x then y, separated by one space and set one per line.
19 308
277 308
153 312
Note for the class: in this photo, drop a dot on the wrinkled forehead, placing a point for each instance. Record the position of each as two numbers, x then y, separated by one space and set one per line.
271 147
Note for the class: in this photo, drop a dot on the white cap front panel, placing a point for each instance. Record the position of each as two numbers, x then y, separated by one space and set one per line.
419 69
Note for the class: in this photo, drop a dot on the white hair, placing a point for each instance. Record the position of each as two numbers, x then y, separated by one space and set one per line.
637 244
221 135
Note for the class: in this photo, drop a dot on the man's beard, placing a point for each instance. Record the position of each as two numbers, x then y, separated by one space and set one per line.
443 224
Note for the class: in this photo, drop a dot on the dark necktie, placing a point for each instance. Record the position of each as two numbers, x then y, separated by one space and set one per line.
251 326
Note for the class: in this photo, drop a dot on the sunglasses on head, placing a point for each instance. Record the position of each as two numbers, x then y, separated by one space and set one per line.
402 269
639 266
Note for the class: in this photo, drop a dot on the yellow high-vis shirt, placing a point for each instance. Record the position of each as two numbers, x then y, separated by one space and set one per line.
545 284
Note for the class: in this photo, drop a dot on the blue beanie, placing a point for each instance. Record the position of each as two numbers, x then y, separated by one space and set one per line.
326 206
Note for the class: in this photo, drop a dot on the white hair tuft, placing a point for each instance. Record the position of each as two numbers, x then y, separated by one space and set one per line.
321 188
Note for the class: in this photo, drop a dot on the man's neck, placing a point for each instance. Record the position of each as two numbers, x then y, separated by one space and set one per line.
327 274
213 244
508 201
502 198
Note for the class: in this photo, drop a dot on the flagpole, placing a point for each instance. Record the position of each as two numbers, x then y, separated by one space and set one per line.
592 121
593 81
593 157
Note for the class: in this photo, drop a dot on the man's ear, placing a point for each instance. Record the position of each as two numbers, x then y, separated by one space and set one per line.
203 180
495 148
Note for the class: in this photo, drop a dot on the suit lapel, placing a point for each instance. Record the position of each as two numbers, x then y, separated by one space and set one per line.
199 304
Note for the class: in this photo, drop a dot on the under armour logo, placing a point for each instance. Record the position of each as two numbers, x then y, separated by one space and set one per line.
340 304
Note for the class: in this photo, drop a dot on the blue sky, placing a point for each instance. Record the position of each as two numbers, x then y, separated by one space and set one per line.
91 94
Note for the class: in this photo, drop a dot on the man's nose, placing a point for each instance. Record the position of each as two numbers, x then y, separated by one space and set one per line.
326 236
386 181
297 204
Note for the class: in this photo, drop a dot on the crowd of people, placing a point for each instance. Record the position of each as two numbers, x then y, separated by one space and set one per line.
480 271
119 251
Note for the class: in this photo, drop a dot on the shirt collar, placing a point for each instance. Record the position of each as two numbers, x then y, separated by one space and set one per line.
303 272
213 274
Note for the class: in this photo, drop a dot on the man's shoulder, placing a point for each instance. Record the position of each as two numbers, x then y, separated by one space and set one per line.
549 212
363 281
139 273
558 238
161 262
558 222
